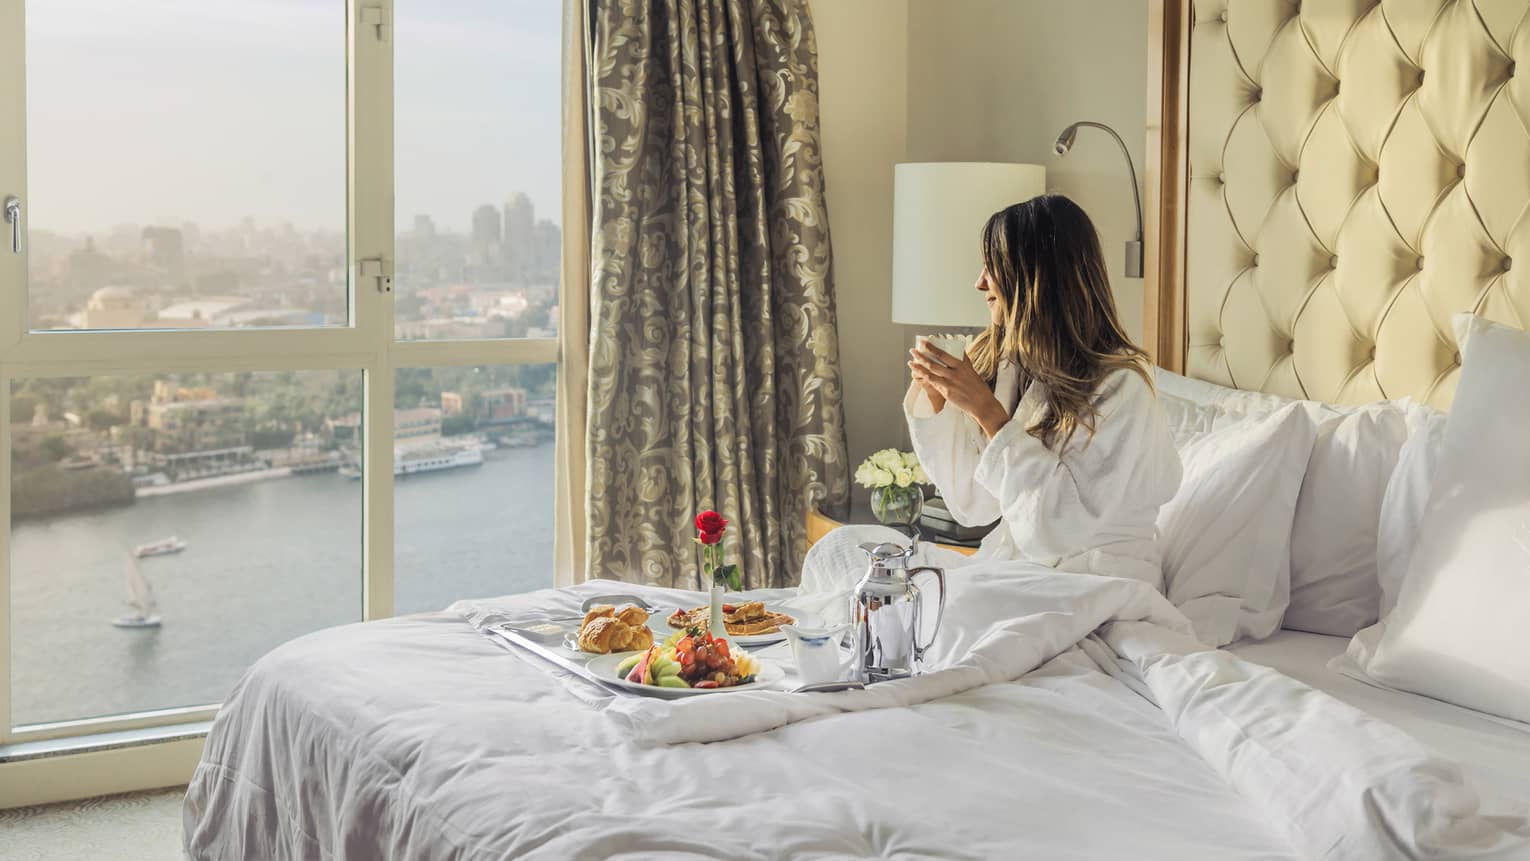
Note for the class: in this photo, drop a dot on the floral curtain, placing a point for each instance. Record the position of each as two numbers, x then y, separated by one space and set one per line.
714 362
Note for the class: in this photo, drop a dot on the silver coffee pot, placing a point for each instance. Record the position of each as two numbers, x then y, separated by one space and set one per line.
885 612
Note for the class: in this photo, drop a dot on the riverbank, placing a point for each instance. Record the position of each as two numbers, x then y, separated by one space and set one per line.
215 481
51 490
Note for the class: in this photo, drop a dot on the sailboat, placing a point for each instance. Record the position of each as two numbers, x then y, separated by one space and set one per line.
140 597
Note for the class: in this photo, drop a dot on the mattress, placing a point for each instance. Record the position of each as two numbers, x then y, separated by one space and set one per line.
1496 754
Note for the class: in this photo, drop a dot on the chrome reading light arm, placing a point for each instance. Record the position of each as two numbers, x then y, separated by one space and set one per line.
1134 247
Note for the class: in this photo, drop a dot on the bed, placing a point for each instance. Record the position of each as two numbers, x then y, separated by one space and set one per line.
1306 240
1496 754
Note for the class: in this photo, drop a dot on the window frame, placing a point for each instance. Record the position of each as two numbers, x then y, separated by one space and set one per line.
366 343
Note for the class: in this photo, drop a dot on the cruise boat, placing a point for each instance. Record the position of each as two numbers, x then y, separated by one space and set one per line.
416 457
163 547
430 458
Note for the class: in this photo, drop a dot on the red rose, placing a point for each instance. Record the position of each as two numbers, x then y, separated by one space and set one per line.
711 525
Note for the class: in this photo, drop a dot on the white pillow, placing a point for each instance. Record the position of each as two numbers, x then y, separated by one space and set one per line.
1226 535
1335 588
1458 632
1221 398
1402 509
1334 584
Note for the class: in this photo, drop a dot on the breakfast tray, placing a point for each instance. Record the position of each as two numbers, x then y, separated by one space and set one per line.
550 647
546 639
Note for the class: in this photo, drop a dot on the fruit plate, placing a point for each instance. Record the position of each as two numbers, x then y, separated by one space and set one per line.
603 668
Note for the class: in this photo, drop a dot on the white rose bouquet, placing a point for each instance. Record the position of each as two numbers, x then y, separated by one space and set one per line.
894 478
890 467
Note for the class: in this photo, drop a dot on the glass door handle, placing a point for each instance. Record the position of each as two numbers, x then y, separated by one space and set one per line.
13 217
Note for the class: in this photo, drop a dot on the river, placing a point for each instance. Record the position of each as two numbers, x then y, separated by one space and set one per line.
265 562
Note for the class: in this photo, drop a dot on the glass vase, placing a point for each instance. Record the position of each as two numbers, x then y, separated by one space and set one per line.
896 506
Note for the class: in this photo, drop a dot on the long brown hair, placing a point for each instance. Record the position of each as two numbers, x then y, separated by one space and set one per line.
1060 324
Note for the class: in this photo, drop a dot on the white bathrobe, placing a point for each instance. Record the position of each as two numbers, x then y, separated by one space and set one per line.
1091 509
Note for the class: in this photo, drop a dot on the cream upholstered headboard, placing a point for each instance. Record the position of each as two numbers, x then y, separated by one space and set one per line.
1338 179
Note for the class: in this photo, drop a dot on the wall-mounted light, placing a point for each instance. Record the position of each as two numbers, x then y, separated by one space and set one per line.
1133 247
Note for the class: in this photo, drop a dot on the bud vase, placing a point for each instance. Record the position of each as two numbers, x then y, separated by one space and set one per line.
898 506
716 624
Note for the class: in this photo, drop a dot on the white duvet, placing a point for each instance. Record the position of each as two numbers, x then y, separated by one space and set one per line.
1035 736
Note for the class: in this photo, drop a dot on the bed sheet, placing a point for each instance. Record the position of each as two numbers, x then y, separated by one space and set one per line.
1495 754
421 738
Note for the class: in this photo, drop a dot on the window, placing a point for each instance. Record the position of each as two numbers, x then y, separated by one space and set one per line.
214 503
478 237
243 393
473 483
192 175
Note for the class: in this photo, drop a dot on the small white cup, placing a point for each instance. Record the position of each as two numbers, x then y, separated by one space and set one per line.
817 653
954 345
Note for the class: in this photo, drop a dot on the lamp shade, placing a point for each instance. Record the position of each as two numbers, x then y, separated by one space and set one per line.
939 209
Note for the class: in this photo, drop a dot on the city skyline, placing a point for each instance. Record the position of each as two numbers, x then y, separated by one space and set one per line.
404 226
499 280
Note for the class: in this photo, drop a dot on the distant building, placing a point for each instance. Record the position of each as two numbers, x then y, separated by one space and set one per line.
164 247
89 268
547 244
192 420
503 405
114 308
198 313
487 236
409 426
424 227
452 404
423 423
520 226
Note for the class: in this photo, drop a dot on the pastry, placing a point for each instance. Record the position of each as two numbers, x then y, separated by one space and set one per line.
633 615
632 639
768 623
597 612
596 635
742 620
606 630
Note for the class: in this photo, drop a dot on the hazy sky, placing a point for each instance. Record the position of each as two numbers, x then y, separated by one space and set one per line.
211 110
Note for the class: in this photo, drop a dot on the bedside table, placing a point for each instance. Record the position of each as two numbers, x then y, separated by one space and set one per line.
820 524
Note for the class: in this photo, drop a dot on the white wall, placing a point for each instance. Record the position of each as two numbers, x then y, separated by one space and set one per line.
964 80
996 80
863 90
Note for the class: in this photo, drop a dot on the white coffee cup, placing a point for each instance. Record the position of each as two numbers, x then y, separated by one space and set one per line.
953 345
816 650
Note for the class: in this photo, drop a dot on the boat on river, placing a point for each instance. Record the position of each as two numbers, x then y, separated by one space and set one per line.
435 456
162 547
141 598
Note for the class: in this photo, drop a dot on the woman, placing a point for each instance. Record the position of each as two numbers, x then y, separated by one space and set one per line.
1049 422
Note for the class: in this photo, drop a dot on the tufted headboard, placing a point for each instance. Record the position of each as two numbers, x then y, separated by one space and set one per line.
1330 181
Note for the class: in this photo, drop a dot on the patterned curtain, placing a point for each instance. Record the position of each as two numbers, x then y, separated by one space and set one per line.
714 362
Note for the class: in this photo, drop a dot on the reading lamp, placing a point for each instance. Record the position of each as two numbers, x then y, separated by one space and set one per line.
1133 247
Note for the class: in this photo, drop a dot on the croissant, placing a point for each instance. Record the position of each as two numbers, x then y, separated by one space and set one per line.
633 615
596 635
596 612
642 638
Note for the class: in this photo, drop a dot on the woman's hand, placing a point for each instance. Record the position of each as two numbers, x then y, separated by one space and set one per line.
931 391
955 380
